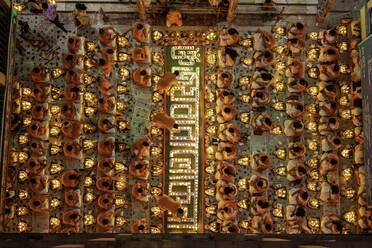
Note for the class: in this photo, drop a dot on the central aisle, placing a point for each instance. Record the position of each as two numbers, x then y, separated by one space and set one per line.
183 172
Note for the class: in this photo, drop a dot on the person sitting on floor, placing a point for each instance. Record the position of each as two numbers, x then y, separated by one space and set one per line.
36 130
73 76
258 185
105 147
225 171
72 93
297 86
167 82
139 55
167 203
74 44
70 178
295 69
141 78
328 54
139 169
225 113
140 32
71 129
106 105
228 37
140 226
263 41
165 121
81 19
104 125
105 165
173 17
295 30
39 74
105 220
38 112
227 57
229 132
71 149
296 46
70 60
224 79
104 85
260 161
263 58
105 201
106 35
141 191
141 148
226 151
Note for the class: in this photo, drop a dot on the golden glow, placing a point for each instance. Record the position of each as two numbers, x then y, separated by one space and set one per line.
22 175
278 212
23 194
119 167
280 153
89 111
244 161
312 126
313 203
210 191
88 197
313 54
346 114
344 69
243 204
245 98
280 67
156 151
89 128
312 162
155 211
281 171
313 35
311 108
55 184
120 201
243 184
26 105
282 49
277 130
88 181
121 184
279 31
211 57
244 81
123 73
279 106
22 157
347 174
54 222
155 191
313 91
346 152
54 131
57 72
27 121
157 170
19 7
23 139
54 203
343 46
349 193
54 109
123 57
313 72
90 63
91 46
211 209
120 221
210 169
313 223
281 192
347 134
88 220
88 144
244 117
122 41
121 106
342 30
279 85
89 163
157 58
247 61
26 92
246 43
22 226
157 35
22 211
312 185
312 144
55 168
344 101
157 97
350 217
90 99
345 89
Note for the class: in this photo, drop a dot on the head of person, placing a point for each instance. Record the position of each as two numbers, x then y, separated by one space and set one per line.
44 6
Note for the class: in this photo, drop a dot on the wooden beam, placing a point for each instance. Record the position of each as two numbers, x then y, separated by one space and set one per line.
142 10
323 12
231 10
